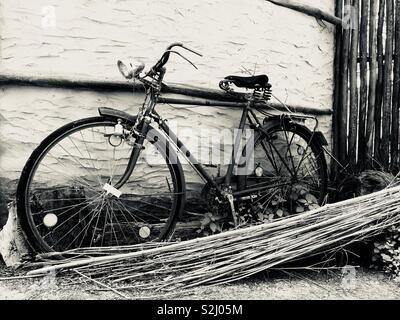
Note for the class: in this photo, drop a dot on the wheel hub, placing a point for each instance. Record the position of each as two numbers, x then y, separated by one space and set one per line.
111 190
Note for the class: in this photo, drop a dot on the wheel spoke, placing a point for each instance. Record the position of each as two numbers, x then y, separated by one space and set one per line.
68 219
77 160
86 229
97 223
128 223
69 207
77 180
118 223
70 230
289 149
89 154
68 176
285 168
138 210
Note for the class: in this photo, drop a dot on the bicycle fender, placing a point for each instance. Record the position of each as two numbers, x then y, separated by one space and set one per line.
113 113
318 137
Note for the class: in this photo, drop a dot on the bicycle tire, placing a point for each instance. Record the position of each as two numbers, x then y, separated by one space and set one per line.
35 237
275 126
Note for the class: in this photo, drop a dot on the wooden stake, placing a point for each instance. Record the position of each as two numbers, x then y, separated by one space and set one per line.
344 93
396 94
387 86
337 107
379 85
353 87
363 82
373 76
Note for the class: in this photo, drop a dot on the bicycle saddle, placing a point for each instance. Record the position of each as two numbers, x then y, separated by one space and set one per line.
255 82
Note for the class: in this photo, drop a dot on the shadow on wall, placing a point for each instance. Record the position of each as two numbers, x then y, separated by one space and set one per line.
3 197
3 207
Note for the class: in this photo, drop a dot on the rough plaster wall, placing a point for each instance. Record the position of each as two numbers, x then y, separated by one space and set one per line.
25 127
293 49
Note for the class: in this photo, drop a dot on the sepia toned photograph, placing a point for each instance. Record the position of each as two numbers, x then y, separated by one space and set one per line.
211 151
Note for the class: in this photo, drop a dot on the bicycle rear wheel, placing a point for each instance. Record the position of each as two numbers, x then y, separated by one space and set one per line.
64 198
290 171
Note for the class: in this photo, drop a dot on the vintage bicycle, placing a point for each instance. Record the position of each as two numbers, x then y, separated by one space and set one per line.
117 179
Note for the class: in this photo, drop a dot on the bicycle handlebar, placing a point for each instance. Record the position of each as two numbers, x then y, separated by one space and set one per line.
134 71
165 57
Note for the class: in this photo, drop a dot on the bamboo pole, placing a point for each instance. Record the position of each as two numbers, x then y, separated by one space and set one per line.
112 85
311 11
103 85
267 106
363 82
396 94
379 85
353 120
337 107
373 76
13 79
344 92
387 86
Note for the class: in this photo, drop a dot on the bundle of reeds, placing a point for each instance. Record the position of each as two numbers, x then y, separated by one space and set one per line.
373 181
236 254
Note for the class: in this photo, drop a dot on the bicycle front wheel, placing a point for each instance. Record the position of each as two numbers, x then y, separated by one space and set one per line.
66 199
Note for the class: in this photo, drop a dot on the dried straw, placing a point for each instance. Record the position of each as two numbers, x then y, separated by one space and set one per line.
237 254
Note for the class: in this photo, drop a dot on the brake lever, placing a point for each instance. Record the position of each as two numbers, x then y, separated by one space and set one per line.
191 50
179 44
182 56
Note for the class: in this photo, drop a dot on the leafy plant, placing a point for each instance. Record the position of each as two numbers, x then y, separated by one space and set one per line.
386 254
299 201
212 223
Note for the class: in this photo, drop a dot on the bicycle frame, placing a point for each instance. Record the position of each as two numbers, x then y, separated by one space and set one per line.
247 115
192 160
152 115
152 81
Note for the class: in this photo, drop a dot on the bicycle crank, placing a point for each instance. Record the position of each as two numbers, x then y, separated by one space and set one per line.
234 213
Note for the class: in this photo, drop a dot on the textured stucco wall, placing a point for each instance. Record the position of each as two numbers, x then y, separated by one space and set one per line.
295 50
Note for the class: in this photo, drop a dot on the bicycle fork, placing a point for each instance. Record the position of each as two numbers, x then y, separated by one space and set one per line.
137 148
